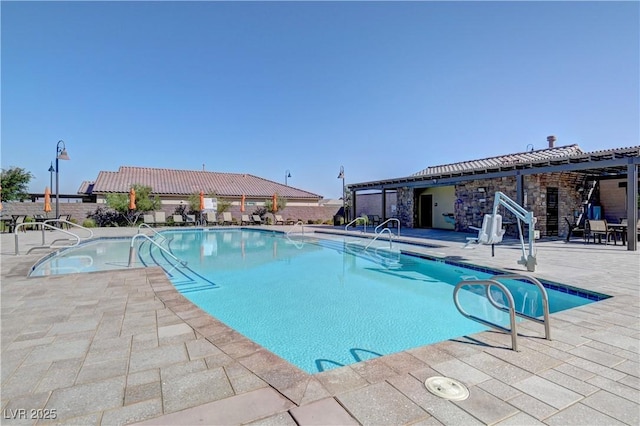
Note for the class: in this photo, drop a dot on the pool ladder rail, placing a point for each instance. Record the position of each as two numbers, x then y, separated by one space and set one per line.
47 224
494 282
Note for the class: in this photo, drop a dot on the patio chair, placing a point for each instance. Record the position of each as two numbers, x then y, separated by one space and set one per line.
227 219
257 220
160 218
244 220
191 220
278 220
177 220
210 218
17 221
573 230
598 228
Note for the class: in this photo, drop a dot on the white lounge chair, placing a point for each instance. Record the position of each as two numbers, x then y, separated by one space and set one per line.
227 219
244 220
257 220
278 220
161 218
210 218
177 220
149 219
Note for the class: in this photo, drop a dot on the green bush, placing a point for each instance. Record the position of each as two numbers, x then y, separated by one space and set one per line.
89 223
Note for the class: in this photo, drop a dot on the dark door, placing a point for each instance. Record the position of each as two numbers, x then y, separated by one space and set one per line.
426 211
552 211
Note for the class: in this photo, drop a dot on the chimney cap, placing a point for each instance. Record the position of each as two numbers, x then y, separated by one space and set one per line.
551 139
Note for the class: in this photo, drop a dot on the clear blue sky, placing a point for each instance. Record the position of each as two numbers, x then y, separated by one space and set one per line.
383 88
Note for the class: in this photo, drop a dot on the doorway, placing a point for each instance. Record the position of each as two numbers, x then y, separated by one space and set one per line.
426 211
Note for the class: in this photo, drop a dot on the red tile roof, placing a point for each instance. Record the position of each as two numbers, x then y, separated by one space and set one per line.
487 163
185 182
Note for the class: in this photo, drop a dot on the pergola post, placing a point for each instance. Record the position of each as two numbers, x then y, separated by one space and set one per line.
632 206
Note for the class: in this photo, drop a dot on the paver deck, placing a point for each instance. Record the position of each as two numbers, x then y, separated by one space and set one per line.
125 347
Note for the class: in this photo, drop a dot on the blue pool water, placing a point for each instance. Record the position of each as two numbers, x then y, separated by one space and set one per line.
322 303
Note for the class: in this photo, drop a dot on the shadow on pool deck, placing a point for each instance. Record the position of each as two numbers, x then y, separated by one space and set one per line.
122 347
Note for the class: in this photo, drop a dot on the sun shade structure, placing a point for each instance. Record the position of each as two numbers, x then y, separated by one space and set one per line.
132 199
275 203
242 200
47 200
201 201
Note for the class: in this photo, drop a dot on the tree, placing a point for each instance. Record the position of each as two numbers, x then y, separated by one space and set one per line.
281 204
144 203
15 183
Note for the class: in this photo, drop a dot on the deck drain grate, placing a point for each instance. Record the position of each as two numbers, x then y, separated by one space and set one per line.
447 388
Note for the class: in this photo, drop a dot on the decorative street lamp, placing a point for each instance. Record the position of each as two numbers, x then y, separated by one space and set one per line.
61 154
341 176
287 174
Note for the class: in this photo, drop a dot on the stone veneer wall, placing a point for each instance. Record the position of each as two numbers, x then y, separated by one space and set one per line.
405 212
472 205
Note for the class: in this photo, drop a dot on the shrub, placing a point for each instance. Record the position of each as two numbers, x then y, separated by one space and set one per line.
105 217
89 223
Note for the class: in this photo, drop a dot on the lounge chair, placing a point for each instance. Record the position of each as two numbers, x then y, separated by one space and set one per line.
160 218
149 219
210 218
257 220
227 219
278 220
598 228
177 220
244 220
191 219
17 220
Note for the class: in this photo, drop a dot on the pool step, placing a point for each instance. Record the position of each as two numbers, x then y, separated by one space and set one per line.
184 279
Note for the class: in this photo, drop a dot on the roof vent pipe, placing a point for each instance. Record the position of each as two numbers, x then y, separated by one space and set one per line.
552 140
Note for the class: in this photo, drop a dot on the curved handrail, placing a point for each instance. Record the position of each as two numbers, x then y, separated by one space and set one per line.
392 219
545 300
354 221
152 241
301 223
44 225
48 221
380 234
153 230
512 312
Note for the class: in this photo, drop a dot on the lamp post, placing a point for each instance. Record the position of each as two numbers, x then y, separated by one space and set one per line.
61 154
287 174
341 176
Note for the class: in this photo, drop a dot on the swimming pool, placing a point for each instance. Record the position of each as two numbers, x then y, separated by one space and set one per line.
321 303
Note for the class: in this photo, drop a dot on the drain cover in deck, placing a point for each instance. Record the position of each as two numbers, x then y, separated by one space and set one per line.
447 388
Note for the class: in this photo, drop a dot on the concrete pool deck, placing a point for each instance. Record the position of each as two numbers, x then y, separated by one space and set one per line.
124 347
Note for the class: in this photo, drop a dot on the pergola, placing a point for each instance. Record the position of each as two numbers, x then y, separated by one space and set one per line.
612 163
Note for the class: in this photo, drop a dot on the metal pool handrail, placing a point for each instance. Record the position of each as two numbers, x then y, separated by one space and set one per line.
301 223
545 300
354 221
391 219
132 249
66 222
153 230
378 235
43 224
511 309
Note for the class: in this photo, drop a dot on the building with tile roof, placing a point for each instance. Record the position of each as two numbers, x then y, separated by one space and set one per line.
177 185
174 187
560 185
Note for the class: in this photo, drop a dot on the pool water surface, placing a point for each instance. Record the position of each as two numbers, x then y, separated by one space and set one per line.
323 303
